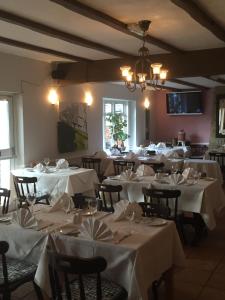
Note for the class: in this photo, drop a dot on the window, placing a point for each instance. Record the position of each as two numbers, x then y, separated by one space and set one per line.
6 140
127 109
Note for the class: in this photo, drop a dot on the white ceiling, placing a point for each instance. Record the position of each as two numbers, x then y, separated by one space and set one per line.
169 23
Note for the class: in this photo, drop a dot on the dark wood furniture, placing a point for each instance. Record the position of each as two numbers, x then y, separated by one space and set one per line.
4 200
14 273
156 166
108 194
120 165
26 186
220 158
93 163
88 283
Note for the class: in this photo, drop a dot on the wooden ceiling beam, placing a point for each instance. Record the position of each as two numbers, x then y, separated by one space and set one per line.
58 34
200 16
218 80
101 17
32 47
190 64
192 85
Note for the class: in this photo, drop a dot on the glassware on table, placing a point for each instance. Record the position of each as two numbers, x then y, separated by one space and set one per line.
92 206
46 161
131 218
197 176
31 198
129 166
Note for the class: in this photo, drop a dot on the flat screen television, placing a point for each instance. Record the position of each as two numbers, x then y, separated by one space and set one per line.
184 103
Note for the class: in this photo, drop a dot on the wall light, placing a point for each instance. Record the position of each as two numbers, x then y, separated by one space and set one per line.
146 103
88 99
53 96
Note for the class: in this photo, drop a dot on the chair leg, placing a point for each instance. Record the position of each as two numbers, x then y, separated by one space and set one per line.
6 295
38 291
155 290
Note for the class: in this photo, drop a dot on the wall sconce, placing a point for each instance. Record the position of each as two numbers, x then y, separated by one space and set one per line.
146 103
88 99
53 96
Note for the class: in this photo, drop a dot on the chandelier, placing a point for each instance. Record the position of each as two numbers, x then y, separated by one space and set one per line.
144 73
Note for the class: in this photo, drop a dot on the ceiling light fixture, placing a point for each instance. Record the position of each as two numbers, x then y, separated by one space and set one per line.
144 71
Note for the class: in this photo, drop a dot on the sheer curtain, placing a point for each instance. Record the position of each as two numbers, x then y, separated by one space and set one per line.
222 117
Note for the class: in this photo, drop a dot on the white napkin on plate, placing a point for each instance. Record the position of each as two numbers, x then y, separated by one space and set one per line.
128 175
161 145
64 203
188 173
101 154
93 229
24 218
62 164
144 170
124 208
176 179
39 167
130 155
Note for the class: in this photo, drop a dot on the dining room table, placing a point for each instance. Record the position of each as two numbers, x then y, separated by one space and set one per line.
138 254
204 196
56 182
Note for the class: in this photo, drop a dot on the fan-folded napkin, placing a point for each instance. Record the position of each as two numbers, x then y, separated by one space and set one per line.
176 179
161 145
62 164
124 208
93 229
64 203
144 170
24 218
188 173
128 175
39 167
101 154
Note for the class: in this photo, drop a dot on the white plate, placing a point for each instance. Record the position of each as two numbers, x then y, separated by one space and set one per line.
156 222
74 168
5 220
30 169
209 179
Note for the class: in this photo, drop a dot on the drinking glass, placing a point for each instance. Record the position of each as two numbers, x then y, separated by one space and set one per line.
46 161
129 166
131 218
31 200
92 206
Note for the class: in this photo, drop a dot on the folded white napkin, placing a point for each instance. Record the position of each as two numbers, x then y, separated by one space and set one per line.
130 155
39 167
188 173
62 164
101 154
115 151
172 154
144 170
176 179
93 229
64 203
124 208
24 218
128 175
161 145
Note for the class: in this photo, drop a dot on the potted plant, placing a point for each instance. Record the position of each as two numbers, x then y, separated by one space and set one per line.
117 126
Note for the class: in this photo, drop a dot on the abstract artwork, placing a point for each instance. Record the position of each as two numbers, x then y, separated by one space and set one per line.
72 128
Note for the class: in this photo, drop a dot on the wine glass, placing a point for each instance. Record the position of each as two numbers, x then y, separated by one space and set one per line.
46 161
31 197
131 218
130 166
92 206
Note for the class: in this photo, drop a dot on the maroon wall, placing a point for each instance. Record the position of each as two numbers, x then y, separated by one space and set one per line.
164 127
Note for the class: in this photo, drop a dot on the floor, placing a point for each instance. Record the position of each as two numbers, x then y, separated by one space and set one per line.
202 279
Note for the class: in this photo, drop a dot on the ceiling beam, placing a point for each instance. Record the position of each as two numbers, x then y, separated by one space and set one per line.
200 16
218 80
190 64
58 34
164 87
192 85
32 47
101 17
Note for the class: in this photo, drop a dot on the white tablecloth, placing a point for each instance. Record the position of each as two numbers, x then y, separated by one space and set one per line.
205 197
134 263
61 181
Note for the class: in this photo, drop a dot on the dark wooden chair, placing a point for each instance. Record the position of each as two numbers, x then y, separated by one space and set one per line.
26 186
14 273
4 200
93 163
88 283
151 152
220 158
156 166
122 165
108 194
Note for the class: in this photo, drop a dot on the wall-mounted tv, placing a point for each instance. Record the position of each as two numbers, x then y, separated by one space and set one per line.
184 103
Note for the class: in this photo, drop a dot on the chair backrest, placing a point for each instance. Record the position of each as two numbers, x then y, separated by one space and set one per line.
162 203
4 247
122 165
156 166
68 265
151 152
4 200
24 186
92 163
219 157
108 194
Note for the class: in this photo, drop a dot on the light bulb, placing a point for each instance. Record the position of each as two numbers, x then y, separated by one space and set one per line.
141 77
53 96
129 76
88 98
125 70
156 68
146 103
163 74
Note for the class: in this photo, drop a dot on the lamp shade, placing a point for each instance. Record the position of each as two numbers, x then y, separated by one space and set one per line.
156 68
